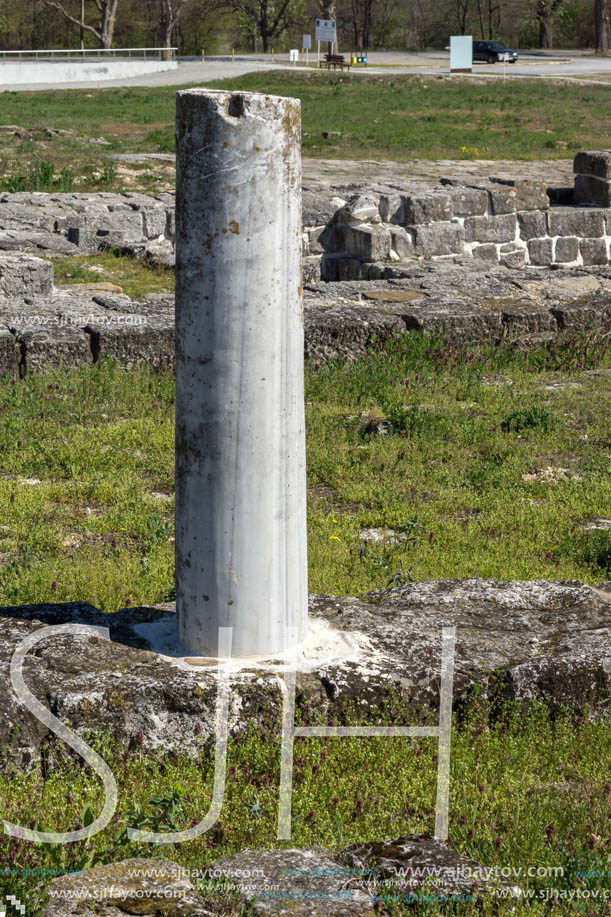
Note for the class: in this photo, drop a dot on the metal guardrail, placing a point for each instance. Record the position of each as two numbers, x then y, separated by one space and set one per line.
92 53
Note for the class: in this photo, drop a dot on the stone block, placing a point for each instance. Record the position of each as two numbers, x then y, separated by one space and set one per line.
594 251
434 207
575 221
391 208
467 202
512 254
439 239
500 228
594 163
488 252
314 246
502 200
108 230
352 269
401 243
154 222
170 225
160 253
137 339
329 267
44 347
368 243
363 208
310 269
332 238
527 318
25 276
532 224
540 251
8 354
591 190
567 249
457 320
528 194
583 314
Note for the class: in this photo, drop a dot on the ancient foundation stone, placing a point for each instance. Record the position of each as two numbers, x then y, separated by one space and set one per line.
594 251
139 886
567 248
540 251
575 221
522 641
24 276
368 243
468 202
591 190
533 224
439 239
491 229
427 208
597 164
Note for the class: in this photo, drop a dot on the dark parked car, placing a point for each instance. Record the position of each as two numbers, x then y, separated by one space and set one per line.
493 51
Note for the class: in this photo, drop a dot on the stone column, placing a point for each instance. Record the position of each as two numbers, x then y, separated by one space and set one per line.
240 438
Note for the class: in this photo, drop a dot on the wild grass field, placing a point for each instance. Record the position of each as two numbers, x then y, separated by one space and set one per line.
525 793
376 117
498 466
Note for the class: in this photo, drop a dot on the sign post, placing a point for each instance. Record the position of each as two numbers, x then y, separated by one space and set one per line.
326 31
306 44
461 54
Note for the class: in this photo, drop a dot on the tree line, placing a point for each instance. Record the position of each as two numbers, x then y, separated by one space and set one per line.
260 25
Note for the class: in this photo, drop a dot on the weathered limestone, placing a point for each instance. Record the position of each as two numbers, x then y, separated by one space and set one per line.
502 221
154 887
271 883
23 275
521 641
593 178
240 437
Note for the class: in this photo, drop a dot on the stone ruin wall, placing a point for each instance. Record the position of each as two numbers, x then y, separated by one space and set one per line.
499 222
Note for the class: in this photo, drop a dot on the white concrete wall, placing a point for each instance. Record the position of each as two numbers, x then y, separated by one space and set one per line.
74 71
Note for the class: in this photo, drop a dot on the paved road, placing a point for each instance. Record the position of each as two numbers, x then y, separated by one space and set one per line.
189 72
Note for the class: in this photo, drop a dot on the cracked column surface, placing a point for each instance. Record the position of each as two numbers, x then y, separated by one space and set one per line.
241 557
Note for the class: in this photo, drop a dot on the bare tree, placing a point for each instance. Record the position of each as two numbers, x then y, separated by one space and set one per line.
328 10
545 13
362 11
602 25
170 14
462 11
104 30
489 17
269 17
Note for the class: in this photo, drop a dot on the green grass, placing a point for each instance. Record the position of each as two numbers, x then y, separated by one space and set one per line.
488 473
463 480
135 278
525 791
378 117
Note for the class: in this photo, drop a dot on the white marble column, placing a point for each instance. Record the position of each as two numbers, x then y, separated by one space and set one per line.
240 440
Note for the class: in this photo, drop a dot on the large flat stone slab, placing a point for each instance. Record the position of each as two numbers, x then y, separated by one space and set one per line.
520 641
271 883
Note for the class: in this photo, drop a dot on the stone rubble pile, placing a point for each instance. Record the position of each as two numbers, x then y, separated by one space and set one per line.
498 222
64 224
